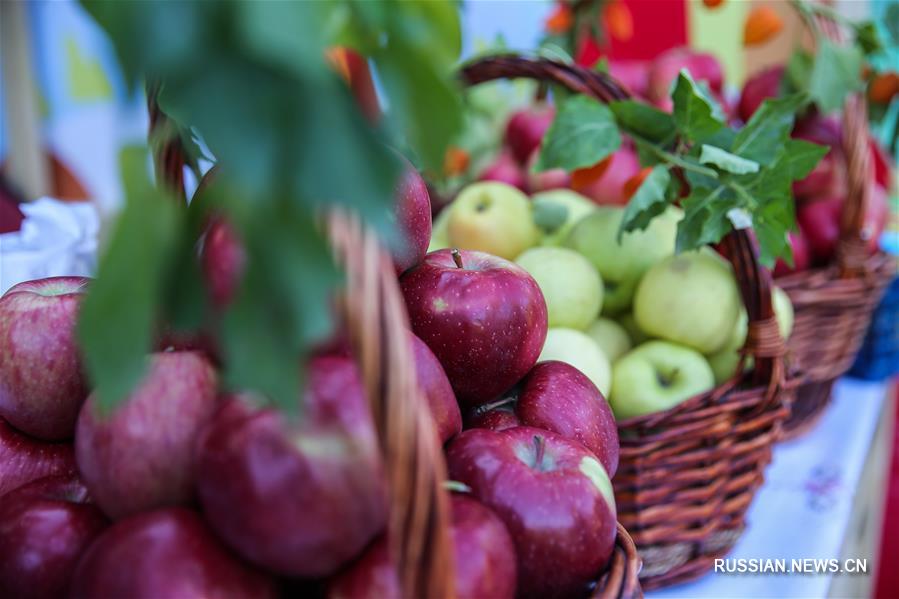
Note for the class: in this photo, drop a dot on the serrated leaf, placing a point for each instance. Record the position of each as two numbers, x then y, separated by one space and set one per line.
582 133
764 135
647 202
836 73
727 161
704 219
644 120
693 113
800 157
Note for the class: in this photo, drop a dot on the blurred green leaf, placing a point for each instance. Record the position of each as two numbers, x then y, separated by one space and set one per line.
694 113
582 133
800 157
644 120
799 69
868 38
727 161
768 130
647 202
836 73
704 219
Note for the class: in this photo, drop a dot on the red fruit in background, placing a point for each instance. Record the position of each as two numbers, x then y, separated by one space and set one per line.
484 319
505 170
800 256
883 173
608 189
41 382
557 397
45 527
876 217
554 497
140 456
820 225
413 215
666 66
828 178
633 184
437 390
223 261
298 498
525 130
761 86
24 459
165 553
554 178
483 555
633 74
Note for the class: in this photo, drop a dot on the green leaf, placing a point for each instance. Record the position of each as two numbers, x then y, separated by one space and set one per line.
704 219
800 157
868 38
727 161
766 132
582 133
693 112
644 120
647 202
799 70
836 72
117 320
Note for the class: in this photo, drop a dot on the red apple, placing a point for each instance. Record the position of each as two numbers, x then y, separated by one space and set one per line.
610 187
45 526
298 498
554 178
665 67
505 170
800 256
140 456
525 130
633 74
820 223
483 317
498 416
483 553
437 390
223 261
24 459
165 553
883 174
828 178
413 216
553 495
558 397
41 382
758 88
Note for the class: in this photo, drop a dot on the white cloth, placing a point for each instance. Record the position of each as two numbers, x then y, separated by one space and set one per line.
56 239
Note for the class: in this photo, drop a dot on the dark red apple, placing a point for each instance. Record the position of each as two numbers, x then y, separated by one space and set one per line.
820 223
165 553
41 382
609 189
505 170
883 171
497 416
413 216
483 553
801 257
483 317
558 397
554 178
526 128
45 527
665 67
828 178
24 459
140 456
758 88
437 390
223 261
298 498
555 498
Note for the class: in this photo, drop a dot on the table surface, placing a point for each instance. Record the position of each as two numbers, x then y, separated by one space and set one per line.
804 506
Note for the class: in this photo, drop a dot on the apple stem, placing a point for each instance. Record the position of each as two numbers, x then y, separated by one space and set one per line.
455 486
539 445
496 404
457 257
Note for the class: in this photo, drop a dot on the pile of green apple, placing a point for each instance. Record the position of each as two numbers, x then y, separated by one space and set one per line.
648 327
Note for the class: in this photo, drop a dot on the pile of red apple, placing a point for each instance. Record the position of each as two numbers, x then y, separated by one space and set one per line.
185 489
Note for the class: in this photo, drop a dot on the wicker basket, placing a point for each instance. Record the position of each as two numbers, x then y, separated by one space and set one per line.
687 476
374 313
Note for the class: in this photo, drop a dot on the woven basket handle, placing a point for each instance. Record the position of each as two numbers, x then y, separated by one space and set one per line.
763 338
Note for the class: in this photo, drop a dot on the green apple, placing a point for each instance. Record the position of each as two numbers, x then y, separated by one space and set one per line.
571 286
691 299
579 350
440 229
636 334
656 376
557 211
622 264
492 217
611 338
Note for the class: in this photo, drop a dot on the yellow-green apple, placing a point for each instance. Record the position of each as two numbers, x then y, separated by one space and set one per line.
608 189
558 397
482 316
629 323
691 299
505 169
656 376
483 555
576 348
622 264
165 553
554 496
611 337
571 286
526 128
440 230
557 211
41 382
413 217
758 88
494 218
24 459
140 455
299 497
437 390
45 527
554 178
